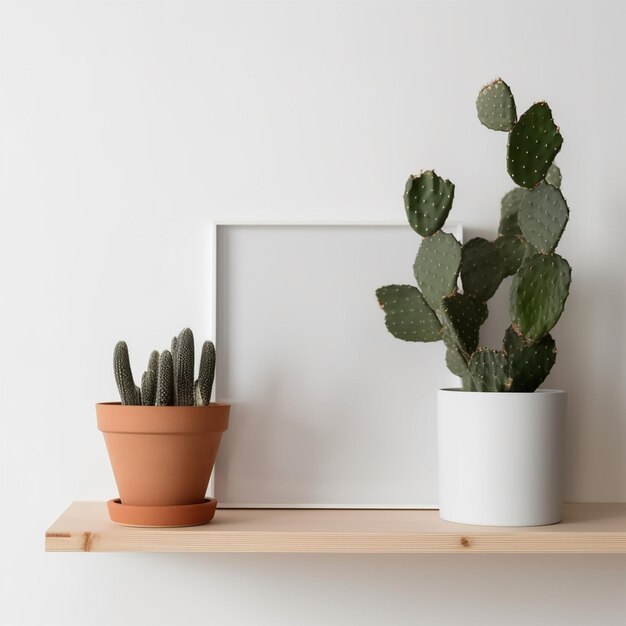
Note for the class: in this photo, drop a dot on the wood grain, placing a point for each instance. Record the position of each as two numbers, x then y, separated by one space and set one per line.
585 529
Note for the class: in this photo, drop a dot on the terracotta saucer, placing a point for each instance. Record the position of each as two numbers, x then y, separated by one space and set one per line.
162 516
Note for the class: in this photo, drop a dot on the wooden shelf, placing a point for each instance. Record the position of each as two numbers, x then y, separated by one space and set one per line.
585 529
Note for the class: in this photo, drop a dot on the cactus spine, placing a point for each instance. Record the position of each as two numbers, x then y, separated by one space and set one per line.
169 376
532 219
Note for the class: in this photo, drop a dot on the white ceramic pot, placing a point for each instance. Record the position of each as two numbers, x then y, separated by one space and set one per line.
501 457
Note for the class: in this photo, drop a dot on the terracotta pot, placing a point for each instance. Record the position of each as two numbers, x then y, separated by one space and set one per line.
162 455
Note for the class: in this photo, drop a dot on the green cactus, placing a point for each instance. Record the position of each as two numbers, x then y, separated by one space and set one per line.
553 177
174 350
204 384
427 201
149 380
512 249
508 212
532 219
455 361
482 268
129 392
437 267
462 317
167 381
533 143
542 217
495 106
528 363
184 368
148 388
407 315
489 370
153 363
538 294
513 341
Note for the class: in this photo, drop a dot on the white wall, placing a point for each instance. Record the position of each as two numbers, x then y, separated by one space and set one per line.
125 128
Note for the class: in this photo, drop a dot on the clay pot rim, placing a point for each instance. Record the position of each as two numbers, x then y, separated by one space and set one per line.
161 408
114 417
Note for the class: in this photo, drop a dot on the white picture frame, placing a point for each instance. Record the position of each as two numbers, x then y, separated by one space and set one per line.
280 451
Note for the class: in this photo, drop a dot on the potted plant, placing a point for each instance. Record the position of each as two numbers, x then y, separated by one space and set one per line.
500 439
163 437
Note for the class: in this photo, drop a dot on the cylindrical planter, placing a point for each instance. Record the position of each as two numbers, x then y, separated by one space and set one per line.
501 457
162 458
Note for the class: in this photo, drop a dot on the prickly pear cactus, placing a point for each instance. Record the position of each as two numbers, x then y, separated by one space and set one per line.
542 217
533 143
482 269
538 294
553 177
512 249
508 212
528 363
489 370
532 219
462 318
427 201
495 106
168 380
437 267
407 315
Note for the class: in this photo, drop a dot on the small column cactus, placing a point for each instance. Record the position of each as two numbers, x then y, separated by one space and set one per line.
169 377
532 219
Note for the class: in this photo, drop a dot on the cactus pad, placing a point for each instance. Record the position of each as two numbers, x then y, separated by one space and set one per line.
129 392
533 143
455 361
462 318
508 212
542 217
513 341
529 364
165 380
496 107
489 370
428 200
482 268
512 251
538 294
407 315
183 369
553 177
437 267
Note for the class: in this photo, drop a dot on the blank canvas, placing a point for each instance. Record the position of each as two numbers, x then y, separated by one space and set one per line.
328 409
